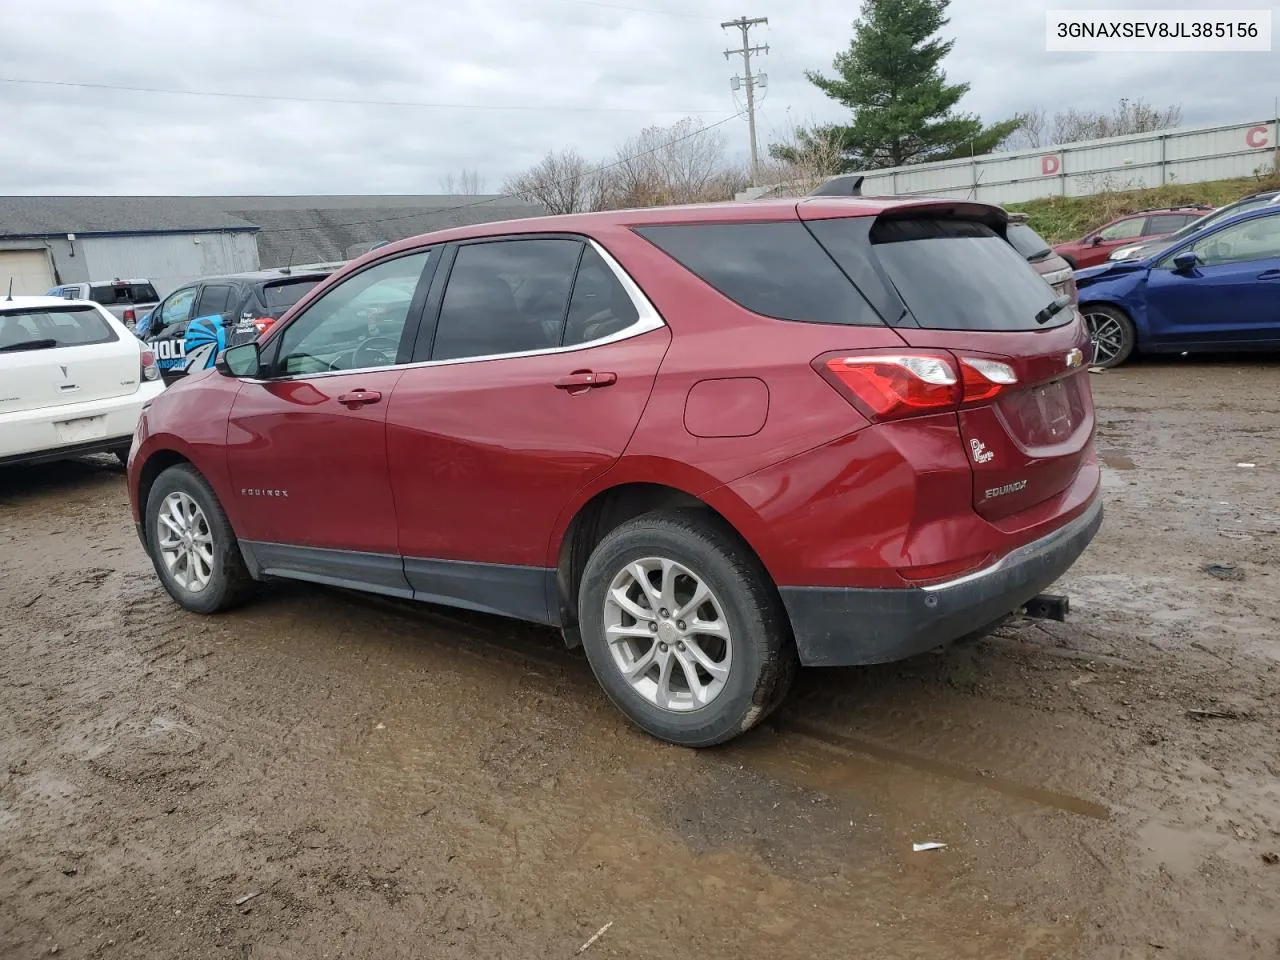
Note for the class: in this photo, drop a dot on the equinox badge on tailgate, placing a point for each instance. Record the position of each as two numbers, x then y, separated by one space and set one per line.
1007 488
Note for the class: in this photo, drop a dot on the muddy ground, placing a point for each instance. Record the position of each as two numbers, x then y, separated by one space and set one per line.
398 781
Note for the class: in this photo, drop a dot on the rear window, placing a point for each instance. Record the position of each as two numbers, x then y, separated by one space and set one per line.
285 293
775 269
960 275
118 293
53 327
1027 242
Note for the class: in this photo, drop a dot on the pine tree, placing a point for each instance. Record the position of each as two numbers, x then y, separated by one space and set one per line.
902 104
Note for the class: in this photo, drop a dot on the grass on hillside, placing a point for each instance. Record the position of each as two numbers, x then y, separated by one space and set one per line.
1066 218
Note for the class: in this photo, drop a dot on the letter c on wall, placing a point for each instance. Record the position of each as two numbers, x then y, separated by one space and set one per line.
1256 137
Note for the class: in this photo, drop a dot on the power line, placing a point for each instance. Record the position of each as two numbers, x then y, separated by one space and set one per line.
511 196
336 100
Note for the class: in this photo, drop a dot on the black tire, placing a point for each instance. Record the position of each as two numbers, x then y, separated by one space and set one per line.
1071 261
763 657
229 582
122 454
1119 328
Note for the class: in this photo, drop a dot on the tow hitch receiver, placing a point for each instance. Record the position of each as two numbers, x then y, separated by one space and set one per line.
1048 606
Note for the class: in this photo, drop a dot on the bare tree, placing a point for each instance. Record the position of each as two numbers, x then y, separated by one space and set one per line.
802 157
563 181
683 163
467 183
1072 126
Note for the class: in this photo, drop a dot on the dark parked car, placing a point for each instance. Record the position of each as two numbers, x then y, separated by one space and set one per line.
1218 289
1094 247
1055 270
1136 251
246 303
707 442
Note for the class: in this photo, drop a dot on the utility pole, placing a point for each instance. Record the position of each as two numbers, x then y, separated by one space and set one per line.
748 79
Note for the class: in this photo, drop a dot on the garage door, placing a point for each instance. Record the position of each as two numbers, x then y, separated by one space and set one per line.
29 270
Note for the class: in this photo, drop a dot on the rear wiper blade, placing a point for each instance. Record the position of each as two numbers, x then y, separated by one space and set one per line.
1053 309
29 345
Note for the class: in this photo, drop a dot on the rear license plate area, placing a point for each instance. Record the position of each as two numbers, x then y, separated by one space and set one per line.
81 429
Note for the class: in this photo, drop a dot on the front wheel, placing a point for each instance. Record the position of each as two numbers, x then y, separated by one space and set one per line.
1112 334
191 543
683 629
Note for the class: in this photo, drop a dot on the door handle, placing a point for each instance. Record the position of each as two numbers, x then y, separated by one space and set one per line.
1269 275
581 380
359 398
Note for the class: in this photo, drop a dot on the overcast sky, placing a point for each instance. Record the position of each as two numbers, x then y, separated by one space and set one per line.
601 72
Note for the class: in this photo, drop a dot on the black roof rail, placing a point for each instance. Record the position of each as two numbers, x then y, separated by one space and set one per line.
845 185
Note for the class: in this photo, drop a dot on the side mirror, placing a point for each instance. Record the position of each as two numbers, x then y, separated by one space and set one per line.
240 361
1185 261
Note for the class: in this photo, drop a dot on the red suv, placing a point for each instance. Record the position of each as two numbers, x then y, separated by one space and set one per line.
708 443
1094 247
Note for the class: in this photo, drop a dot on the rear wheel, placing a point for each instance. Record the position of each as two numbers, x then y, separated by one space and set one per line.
1071 261
1112 334
192 546
683 629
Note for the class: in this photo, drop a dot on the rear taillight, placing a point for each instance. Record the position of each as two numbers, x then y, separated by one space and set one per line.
129 315
149 370
263 324
889 386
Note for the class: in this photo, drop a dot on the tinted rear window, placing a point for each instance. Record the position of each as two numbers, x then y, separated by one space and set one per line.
112 294
285 293
1027 242
775 269
960 275
72 327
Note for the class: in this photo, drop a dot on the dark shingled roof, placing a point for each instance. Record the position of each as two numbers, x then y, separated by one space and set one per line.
302 229
57 216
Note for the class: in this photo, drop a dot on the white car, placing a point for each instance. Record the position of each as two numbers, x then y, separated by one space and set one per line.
73 380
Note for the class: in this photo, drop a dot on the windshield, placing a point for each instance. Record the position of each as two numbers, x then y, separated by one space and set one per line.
285 293
960 275
53 327
1027 242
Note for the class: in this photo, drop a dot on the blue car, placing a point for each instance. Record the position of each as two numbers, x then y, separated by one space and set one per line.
1216 289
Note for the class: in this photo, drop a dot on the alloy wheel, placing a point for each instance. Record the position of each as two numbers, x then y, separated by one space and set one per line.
185 541
668 634
1107 335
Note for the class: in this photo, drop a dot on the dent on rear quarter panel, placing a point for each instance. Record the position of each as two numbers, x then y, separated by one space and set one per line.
190 418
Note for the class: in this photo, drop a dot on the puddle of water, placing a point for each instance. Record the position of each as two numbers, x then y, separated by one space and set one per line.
1116 458
854 768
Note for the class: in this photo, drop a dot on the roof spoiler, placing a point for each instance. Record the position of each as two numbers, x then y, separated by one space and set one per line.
846 185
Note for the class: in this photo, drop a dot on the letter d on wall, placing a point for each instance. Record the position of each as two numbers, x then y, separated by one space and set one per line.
1050 165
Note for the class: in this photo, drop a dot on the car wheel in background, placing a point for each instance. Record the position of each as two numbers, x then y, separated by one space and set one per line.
192 546
683 629
1112 334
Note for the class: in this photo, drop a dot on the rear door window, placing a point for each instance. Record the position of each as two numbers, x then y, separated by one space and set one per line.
1166 223
53 327
960 275
600 306
774 269
506 296
175 309
215 298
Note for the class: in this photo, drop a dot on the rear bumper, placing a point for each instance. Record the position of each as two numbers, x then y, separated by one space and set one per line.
73 429
846 626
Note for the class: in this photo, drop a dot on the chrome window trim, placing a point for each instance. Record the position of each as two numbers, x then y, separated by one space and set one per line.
647 321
